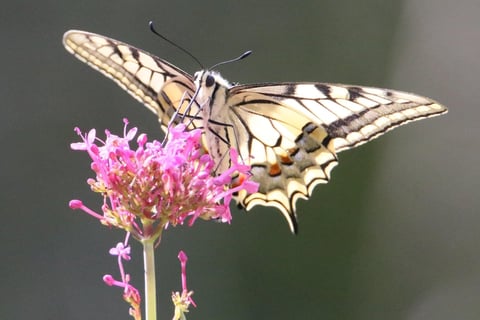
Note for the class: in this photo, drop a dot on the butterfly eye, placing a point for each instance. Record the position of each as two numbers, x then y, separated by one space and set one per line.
209 81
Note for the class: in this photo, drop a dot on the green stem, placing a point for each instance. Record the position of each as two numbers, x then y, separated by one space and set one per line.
150 289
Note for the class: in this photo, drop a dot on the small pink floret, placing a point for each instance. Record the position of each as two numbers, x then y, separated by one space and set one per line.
108 279
75 204
182 256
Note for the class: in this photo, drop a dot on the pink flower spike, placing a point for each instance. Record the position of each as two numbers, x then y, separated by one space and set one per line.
130 294
182 301
77 204
183 265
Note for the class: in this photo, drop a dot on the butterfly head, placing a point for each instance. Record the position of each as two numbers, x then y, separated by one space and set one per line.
208 80
211 89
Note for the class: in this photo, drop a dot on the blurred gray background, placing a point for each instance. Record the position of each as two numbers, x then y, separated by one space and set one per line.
395 235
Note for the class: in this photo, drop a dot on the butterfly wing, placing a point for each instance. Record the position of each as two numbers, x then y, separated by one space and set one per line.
290 133
159 85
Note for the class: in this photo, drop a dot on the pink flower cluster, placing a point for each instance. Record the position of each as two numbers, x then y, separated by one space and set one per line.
158 185
130 294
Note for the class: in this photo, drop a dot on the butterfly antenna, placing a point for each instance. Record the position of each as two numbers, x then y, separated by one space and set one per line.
152 28
243 56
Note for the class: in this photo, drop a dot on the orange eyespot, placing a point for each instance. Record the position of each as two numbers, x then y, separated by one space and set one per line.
275 170
238 180
285 159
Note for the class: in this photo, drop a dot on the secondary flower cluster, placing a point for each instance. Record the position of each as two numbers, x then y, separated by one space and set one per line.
130 294
154 185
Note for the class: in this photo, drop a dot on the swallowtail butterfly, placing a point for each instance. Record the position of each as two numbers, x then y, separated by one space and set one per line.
289 133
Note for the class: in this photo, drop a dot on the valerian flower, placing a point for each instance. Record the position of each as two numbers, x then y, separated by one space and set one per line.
152 186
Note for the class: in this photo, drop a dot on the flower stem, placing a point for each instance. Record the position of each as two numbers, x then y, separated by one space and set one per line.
150 289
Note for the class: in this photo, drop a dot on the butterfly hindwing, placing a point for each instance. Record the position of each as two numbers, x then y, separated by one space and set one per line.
291 132
287 152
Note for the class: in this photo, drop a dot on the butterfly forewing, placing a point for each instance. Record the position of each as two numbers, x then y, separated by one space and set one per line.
289 133
351 115
160 86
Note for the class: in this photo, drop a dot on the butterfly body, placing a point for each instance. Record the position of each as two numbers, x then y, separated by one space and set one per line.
212 94
289 133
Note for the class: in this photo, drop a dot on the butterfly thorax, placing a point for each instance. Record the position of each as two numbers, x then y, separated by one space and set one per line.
212 95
